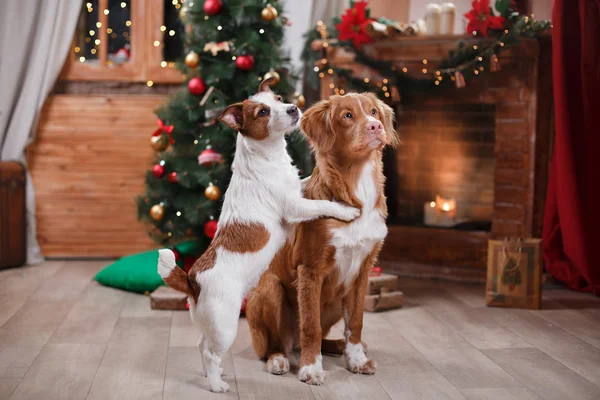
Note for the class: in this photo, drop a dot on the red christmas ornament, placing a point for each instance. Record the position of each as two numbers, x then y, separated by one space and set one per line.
375 271
196 86
210 228
481 18
354 24
213 7
245 62
209 157
158 171
173 177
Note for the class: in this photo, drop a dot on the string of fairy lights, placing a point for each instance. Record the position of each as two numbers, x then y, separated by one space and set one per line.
474 65
94 35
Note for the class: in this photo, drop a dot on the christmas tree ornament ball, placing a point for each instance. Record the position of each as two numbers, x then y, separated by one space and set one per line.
212 7
244 62
173 177
196 86
192 59
210 228
269 13
158 170
272 74
159 142
157 212
209 157
299 100
212 192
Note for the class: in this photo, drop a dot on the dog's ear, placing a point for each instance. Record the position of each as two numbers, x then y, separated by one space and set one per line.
233 116
316 125
265 85
387 117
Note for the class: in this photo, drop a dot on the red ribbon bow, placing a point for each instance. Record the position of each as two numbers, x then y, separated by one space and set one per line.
168 129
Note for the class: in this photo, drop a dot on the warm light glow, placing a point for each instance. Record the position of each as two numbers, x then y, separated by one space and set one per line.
424 70
206 17
81 59
437 83
77 49
156 43
98 24
219 27
163 28
163 64
445 207
149 83
106 12
425 62
97 42
384 88
123 4
233 58
480 58
196 141
178 213
342 91
331 86
321 75
366 80
387 94
404 69
88 5
319 22
385 81
475 47
316 69
109 31
171 32
93 51
90 9
92 32
171 64
261 31
127 23
330 71
432 204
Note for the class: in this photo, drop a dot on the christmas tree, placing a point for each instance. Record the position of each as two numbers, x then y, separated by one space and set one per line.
231 46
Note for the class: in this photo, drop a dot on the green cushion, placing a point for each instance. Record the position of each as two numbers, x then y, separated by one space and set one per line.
135 273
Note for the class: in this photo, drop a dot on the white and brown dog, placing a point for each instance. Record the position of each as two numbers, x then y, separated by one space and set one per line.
264 196
320 275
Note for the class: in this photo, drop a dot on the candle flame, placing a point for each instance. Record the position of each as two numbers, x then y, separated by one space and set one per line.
432 204
446 207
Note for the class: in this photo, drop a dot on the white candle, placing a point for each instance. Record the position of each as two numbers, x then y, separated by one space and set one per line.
447 19
429 213
432 19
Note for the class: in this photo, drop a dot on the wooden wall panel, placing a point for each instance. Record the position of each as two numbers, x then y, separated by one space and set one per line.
87 164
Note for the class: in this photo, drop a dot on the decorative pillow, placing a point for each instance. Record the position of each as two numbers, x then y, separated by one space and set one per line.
135 273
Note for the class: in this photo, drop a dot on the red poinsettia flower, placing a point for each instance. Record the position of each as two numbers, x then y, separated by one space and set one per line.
354 23
481 18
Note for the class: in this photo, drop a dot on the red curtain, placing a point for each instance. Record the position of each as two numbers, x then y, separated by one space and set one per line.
572 215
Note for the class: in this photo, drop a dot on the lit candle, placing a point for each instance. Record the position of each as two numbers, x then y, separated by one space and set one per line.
446 212
429 214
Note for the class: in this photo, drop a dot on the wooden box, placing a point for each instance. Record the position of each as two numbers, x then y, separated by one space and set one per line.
382 293
165 298
13 243
514 275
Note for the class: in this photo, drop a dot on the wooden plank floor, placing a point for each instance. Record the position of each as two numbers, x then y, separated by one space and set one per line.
62 336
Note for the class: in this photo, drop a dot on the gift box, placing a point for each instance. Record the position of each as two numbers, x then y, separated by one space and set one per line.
382 292
165 298
514 274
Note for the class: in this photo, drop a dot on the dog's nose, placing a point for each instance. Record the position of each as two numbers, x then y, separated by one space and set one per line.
374 127
293 110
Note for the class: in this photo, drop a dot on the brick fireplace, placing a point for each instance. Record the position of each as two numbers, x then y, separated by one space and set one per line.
486 146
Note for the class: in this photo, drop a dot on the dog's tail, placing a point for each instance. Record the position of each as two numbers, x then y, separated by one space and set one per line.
173 276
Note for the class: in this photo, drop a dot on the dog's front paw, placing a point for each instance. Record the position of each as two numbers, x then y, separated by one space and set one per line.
278 364
347 213
219 386
357 361
313 374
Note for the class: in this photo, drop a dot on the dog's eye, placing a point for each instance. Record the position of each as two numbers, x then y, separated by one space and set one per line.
263 112
374 111
279 99
348 115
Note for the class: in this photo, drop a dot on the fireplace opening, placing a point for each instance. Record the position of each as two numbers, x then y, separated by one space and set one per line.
445 167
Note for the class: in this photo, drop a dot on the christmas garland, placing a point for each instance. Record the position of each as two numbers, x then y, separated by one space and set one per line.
356 28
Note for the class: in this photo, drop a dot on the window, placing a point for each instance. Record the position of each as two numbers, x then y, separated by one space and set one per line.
127 40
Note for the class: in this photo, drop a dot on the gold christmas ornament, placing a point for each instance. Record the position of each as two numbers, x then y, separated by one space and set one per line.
212 192
299 100
269 13
272 74
160 142
157 212
192 59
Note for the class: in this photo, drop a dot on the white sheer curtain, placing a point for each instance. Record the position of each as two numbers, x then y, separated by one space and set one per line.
35 37
304 15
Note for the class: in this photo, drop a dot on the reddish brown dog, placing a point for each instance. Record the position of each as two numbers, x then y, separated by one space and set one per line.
320 275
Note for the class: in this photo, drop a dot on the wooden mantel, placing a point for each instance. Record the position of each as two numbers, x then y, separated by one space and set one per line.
522 95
